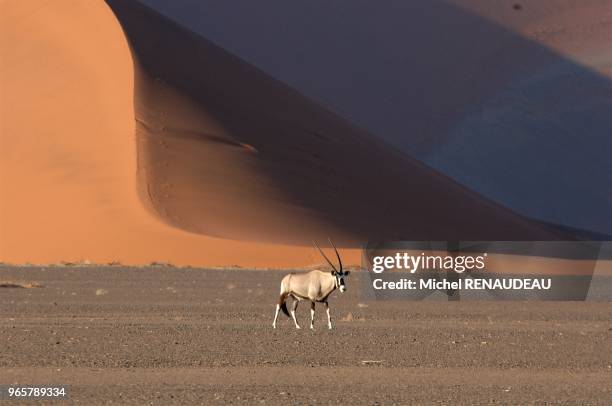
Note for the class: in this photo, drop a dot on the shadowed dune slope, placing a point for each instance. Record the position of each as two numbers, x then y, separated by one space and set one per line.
509 98
226 150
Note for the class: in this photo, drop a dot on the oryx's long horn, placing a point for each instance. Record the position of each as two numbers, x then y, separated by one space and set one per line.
337 254
327 259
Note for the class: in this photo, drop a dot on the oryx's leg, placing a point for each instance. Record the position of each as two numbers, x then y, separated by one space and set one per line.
312 311
276 315
293 309
328 316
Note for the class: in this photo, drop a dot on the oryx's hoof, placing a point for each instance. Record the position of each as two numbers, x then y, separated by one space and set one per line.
273 325
329 327
312 327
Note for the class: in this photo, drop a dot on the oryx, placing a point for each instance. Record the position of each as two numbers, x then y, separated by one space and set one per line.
314 286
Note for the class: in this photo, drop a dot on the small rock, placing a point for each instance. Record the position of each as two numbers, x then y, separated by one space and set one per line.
348 317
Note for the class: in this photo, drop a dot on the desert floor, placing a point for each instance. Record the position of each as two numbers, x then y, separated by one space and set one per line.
163 335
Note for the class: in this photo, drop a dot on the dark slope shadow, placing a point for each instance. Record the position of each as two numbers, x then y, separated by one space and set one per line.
501 115
343 176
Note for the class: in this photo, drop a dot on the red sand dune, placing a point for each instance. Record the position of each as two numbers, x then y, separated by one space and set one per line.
234 167
68 167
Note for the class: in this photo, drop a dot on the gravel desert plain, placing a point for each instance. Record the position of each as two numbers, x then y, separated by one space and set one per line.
163 335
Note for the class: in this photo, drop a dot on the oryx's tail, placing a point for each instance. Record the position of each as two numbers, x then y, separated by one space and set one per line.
282 301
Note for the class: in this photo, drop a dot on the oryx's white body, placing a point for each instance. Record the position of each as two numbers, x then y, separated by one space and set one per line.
314 286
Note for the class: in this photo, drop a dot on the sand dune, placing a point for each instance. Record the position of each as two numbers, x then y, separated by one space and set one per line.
234 167
68 168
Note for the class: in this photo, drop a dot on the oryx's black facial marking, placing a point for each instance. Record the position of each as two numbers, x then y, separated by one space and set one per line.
339 280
